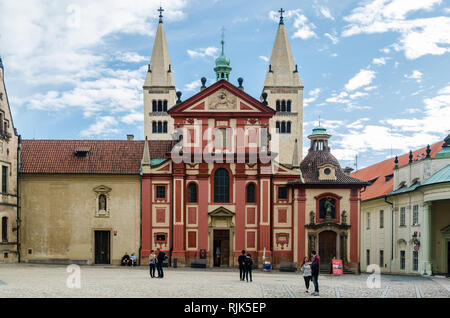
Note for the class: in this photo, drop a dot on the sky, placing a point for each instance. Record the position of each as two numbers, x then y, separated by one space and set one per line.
375 71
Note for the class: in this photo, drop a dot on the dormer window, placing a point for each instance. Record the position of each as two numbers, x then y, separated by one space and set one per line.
82 152
327 172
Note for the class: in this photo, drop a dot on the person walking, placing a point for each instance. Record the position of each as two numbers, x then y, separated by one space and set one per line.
248 267
160 260
152 263
306 272
241 261
315 269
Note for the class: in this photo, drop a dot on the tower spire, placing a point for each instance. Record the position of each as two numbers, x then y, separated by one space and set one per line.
222 68
161 10
160 69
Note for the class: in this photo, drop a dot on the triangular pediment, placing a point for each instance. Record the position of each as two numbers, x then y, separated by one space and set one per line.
221 97
221 211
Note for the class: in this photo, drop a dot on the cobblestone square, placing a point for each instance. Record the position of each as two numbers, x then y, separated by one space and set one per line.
24 280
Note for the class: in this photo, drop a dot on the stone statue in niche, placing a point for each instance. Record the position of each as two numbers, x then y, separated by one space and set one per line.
312 217
327 209
344 217
102 203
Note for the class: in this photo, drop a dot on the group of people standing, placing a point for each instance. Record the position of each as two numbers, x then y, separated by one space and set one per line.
310 271
245 266
156 261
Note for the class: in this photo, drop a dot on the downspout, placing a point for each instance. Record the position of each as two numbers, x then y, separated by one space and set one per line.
392 227
19 146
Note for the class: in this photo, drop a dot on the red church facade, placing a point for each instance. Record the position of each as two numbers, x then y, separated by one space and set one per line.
218 189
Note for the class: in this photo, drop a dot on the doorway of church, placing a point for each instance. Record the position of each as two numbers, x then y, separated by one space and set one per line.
327 249
102 247
221 248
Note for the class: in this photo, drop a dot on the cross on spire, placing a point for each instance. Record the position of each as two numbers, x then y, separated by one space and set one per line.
160 13
281 15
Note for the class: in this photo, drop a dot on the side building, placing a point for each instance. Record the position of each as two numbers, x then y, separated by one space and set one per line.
405 226
80 200
9 144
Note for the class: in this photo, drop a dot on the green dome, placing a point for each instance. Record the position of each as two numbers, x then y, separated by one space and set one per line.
319 131
222 60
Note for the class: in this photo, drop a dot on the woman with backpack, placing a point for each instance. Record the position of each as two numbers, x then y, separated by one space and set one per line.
306 272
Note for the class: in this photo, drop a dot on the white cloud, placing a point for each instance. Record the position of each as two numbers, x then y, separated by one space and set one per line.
370 88
192 86
417 75
203 52
314 94
363 78
133 118
379 61
418 37
326 12
333 38
358 94
103 126
131 57
264 58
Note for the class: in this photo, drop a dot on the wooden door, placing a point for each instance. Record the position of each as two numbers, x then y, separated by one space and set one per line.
327 247
102 247
221 247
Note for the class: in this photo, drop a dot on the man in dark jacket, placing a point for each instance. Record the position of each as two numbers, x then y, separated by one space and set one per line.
241 261
248 267
160 260
315 268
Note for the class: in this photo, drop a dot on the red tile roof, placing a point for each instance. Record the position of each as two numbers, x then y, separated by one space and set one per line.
380 170
104 156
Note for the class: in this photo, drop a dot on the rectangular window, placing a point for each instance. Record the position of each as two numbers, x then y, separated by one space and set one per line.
415 261
368 257
282 193
381 219
415 214
4 229
402 216
402 259
221 138
160 192
381 258
368 220
4 179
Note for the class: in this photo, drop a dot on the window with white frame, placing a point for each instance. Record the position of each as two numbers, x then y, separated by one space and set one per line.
402 259
416 214
381 219
402 216
368 221
415 261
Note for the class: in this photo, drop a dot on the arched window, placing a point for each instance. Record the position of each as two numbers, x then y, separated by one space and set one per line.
160 106
165 127
278 126
102 202
4 229
288 107
288 127
251 193
278 105
159 127
154 128
221 186
283 105
154 106
192 192
165 106
283 127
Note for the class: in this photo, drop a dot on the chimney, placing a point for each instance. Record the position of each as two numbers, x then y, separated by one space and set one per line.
348 170
130 137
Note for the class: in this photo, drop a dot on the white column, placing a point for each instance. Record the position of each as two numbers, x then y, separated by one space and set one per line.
426 240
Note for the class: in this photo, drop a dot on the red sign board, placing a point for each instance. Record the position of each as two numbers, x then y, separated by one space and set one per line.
337 267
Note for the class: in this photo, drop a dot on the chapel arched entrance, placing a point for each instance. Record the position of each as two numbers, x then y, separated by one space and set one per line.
327 247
